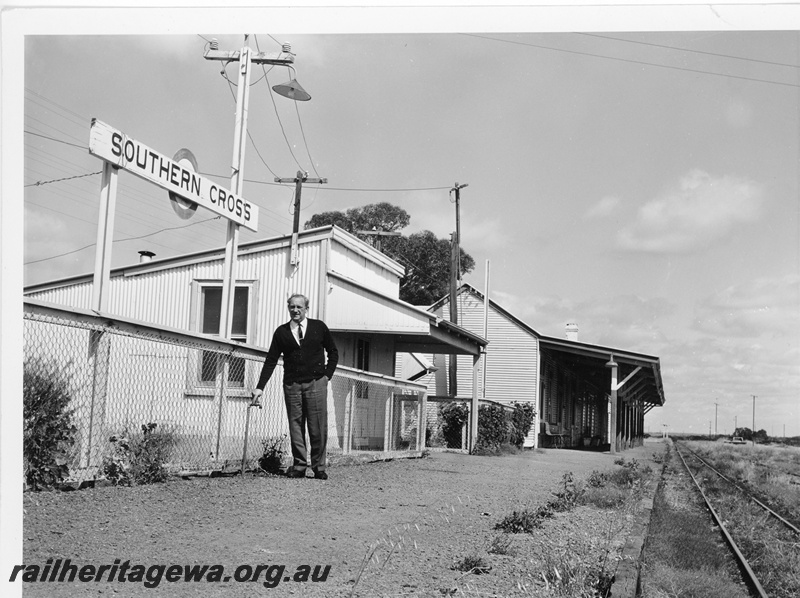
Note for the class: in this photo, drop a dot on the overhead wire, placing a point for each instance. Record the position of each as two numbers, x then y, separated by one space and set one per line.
629 60
121 240
305 142
664 46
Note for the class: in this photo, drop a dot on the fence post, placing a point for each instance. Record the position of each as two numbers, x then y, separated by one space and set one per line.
388 415
223 365
348 419
100 356
422 420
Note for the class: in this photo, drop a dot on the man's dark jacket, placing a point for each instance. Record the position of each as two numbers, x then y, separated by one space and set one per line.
301 364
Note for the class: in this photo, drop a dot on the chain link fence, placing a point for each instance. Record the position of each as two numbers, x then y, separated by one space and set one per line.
121 377
447 422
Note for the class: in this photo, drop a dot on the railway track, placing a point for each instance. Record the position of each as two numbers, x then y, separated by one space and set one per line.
695 465
749 495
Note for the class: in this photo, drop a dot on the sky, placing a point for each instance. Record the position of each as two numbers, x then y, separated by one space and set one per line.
633 170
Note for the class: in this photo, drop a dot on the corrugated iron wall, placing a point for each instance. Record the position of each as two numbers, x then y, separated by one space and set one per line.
164 296
359 267
511 359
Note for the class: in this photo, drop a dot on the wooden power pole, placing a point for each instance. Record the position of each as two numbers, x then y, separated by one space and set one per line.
302 177
455 282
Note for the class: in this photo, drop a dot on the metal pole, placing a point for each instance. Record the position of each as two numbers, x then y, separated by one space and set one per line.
754 420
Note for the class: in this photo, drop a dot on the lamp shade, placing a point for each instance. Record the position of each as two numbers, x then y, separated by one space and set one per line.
292 90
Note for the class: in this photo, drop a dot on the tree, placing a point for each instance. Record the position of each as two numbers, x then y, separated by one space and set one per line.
427 262
760 436
377 216
425 257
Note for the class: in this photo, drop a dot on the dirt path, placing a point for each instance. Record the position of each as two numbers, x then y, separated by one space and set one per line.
422 514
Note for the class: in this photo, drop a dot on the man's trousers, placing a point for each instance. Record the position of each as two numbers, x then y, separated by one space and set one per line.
307 405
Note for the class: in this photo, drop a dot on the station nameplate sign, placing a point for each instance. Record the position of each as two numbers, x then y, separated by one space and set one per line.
122 151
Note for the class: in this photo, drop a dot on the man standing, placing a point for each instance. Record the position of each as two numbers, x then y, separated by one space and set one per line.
303 342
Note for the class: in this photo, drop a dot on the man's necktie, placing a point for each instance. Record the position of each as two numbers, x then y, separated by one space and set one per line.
300 333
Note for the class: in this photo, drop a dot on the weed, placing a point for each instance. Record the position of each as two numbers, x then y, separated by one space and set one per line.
527 520
597 479
523 521
568 497
472 563
605 497
139 458
271 460
501 544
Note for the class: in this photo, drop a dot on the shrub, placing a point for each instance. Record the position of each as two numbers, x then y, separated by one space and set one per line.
48 431
139 458
455 415
501 430
522 419
493 427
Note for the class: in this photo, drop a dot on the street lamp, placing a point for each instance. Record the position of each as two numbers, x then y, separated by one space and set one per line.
292 90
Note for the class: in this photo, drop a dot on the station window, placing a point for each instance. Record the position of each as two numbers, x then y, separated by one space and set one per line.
208 318
212 304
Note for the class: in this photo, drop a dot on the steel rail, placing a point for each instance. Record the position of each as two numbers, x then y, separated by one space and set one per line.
741 558
788 524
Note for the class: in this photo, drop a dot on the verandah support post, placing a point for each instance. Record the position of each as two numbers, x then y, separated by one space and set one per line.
473 433
422 420
613 440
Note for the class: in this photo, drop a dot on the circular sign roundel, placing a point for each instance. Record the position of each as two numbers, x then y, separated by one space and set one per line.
184 208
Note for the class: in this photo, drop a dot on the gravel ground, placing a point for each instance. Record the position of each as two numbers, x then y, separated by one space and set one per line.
421 515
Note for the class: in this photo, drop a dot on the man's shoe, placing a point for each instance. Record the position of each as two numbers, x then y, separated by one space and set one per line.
320 475
295 473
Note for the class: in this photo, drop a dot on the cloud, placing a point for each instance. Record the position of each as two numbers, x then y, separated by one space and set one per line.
765 307
699 211
602 208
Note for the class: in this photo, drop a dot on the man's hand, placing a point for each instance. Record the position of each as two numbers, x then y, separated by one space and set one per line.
257 397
